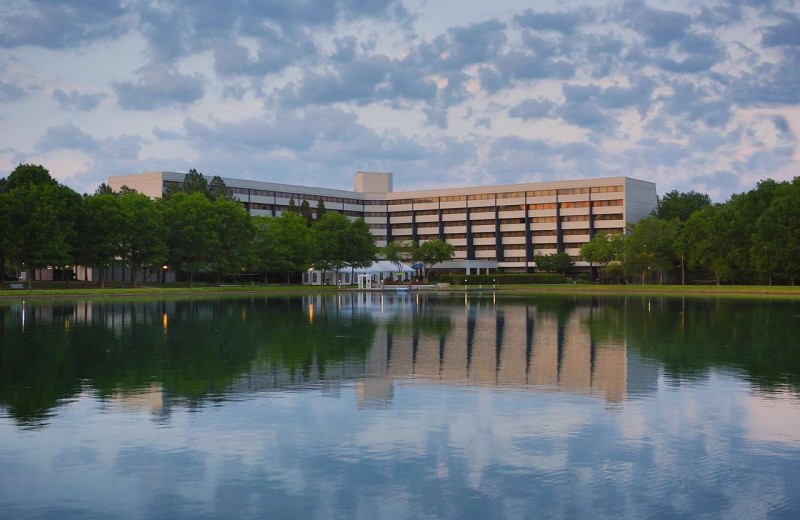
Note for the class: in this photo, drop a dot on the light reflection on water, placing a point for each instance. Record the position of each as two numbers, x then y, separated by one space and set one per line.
397 407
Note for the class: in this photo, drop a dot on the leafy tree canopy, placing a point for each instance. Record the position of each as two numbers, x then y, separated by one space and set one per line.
680 206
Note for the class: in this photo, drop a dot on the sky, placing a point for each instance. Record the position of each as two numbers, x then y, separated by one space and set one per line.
692 95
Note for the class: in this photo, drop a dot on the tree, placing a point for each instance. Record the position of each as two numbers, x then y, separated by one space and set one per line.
359 248
100 228
29 174
104 189
292 207
776 240
142 244
433 252
599 251
331 234
707 234
191 234
195 182
234 230
320 210
680 206
554 263
217 190
307 213
6 238
42 217
399 252
284 244
652 244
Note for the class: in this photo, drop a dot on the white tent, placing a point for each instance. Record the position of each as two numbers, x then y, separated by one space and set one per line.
377 273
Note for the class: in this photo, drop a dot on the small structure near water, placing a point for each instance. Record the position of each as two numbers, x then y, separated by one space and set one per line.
372 277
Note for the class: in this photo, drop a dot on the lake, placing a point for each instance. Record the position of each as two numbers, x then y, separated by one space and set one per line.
368 406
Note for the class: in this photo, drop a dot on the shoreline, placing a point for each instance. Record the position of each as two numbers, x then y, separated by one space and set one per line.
744 291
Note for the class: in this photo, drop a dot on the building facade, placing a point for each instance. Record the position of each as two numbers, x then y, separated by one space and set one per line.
491 227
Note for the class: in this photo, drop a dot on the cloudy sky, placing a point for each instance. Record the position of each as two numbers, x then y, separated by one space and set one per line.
700 95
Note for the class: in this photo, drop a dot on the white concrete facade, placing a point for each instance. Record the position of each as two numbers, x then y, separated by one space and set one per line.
492 227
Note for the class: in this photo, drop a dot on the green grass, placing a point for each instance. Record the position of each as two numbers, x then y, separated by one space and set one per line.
739 291
80 289
57 289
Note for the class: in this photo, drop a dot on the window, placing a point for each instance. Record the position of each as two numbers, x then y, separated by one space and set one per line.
453 198
510 194
481 196
574 218
612 216
601 203
543 205
581 204
606 189
541 193
572 191
540 220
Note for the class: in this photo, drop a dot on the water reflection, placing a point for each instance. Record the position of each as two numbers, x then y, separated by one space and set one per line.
189 351
391 406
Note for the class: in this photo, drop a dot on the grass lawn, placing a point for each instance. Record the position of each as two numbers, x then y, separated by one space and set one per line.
75 289
58 289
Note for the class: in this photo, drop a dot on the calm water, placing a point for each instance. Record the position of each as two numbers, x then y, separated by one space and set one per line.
370 406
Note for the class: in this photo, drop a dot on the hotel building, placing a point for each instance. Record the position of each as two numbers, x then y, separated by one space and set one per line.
492 227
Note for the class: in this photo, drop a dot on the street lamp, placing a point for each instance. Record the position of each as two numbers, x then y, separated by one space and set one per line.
164 274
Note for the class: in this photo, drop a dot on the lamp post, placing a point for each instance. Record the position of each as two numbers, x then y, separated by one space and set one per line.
164 275
66 276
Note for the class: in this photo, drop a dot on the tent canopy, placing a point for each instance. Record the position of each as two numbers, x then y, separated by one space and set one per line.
383 266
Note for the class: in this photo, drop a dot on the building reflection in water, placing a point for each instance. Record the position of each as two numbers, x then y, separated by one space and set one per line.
526 343
515 345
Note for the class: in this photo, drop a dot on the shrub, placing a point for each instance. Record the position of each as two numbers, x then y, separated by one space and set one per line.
504 279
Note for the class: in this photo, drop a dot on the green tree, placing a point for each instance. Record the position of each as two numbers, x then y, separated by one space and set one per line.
284 244
29 174
192 239
359 249
399 252
600 251
234 229
707 235
104 189
320 210
292 207
218 190
100 228
776 241
142 245
680 206
553 263
331 235
6 238
651 244
433 252
307 213
195 182
42 217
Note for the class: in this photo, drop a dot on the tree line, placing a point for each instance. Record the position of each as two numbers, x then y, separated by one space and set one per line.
752 238
197 227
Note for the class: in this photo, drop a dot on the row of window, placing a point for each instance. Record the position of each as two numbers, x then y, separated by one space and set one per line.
514 207
507 195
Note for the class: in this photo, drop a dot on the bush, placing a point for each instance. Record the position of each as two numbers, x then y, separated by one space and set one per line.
504 279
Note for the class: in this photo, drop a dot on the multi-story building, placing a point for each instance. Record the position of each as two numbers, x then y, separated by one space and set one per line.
492 227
